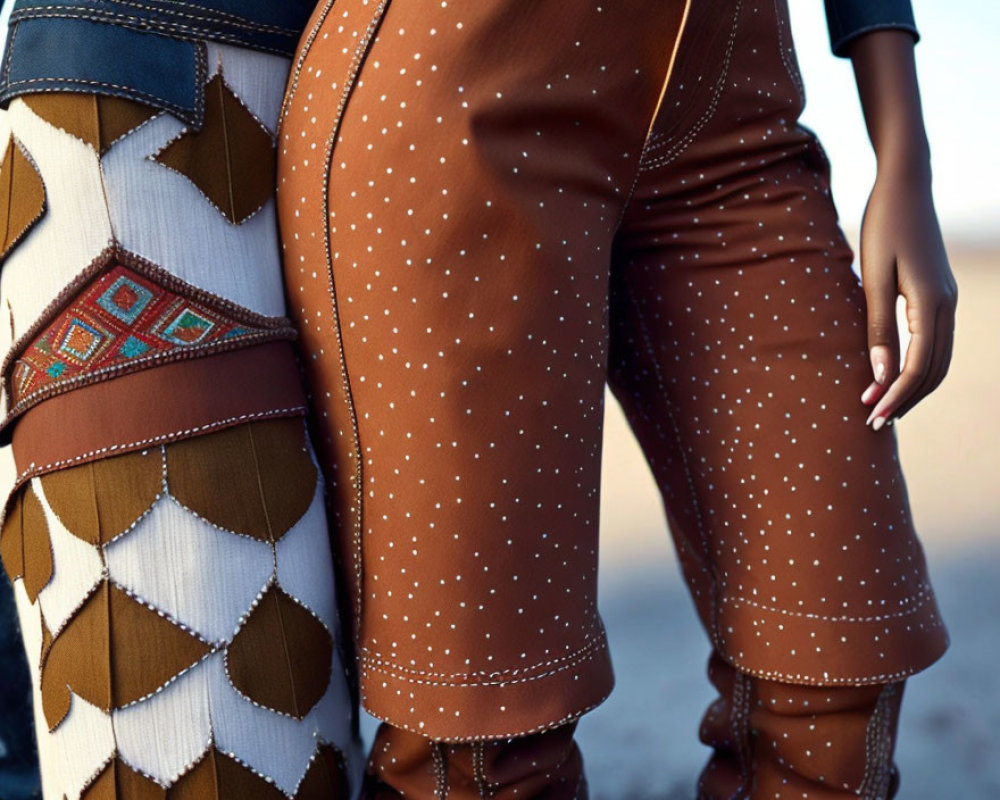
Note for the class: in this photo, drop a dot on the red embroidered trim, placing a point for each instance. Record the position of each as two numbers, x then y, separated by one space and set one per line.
122 321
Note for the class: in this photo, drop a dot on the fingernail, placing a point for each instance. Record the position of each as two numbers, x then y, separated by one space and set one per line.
880 366
869 393
878 423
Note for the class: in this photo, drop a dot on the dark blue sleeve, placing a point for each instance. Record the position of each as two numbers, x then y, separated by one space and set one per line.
849 19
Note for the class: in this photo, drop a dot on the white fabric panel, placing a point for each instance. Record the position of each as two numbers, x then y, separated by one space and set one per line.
76 751
8 470
76 568
168 733
276 745
202 576
31 626
304 560
258 79
164 217
6 479
49 257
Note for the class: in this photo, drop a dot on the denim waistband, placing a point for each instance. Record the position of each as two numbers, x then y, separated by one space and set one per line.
150 51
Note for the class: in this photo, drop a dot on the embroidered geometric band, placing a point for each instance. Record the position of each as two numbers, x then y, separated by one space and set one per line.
123 321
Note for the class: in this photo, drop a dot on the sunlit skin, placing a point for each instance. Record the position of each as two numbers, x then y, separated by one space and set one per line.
902 251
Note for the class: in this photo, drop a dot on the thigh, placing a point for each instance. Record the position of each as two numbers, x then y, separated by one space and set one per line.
174 582
739 354
449 184
186 590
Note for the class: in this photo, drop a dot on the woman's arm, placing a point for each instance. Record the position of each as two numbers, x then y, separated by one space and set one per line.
902 252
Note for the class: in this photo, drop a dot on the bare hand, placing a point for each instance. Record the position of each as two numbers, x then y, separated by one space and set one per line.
902 253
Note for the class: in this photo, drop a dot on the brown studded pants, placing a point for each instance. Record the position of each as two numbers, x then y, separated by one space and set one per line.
491 211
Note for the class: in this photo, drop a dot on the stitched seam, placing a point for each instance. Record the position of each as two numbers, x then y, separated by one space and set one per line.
360 52
786 48
227 15
678 147
45 200
668 407
132 21
878 747
103 766
272 582
121 91
801 679
924 595
479 770
668 138
154 158
740 728
127 133
138 598
656 112
196 36
213 16
221 72
440 771
187 114
341 760
589 656
296 72
140 364
546 726
218 527
205 197
34 470
114 253
378 661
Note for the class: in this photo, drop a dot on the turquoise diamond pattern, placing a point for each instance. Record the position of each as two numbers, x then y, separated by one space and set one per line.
133 348
125 299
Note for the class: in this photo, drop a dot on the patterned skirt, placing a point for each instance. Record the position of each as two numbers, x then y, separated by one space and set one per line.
164 528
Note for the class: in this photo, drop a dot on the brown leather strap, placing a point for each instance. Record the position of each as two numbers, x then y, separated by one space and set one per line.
175 401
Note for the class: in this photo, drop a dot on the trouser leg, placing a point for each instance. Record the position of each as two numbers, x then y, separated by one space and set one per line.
176 631
778 741
738 354
738 351
173 578
540 766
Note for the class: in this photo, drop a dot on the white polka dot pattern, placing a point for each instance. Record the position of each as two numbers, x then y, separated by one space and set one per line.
460 187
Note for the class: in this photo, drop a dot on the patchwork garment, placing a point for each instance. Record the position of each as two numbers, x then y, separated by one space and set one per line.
164 526
492 211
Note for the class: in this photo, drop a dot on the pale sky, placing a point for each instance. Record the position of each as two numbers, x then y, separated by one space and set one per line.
957 64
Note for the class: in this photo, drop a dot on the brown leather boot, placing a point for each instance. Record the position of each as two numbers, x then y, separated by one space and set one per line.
779 741
542 766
